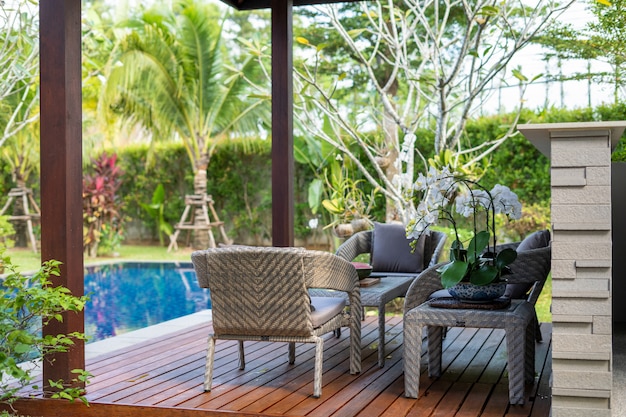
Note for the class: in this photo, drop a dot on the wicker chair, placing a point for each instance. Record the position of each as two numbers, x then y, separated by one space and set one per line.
531 266
260 294
361 243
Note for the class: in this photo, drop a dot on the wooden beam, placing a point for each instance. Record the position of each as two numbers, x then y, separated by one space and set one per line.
61 166
282 124
48 407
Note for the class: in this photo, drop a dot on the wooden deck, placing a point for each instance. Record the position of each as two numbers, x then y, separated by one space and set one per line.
164 377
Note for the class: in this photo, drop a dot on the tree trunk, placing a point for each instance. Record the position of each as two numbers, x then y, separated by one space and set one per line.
390 130
201 234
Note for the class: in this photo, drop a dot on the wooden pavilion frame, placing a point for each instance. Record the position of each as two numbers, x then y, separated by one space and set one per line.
61 148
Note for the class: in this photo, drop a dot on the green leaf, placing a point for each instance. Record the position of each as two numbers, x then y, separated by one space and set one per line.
489 11
158 197
301 40
484 275
453 273
505 257
333 206
22 348
355 32
518 74
477 245
316 188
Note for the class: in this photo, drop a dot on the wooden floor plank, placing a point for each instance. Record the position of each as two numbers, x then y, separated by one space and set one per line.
164 378
333 378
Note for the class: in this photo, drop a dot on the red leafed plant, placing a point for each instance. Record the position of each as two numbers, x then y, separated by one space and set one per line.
102 220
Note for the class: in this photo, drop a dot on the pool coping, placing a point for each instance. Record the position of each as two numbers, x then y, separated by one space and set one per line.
125 340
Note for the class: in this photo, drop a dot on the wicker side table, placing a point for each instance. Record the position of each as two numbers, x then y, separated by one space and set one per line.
516 320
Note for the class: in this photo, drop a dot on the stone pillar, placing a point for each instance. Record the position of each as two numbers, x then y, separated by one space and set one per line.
580 155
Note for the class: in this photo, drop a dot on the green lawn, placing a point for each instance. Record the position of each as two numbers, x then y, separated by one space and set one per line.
27 260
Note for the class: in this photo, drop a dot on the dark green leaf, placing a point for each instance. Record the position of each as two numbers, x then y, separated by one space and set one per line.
505 257
484 275
453 273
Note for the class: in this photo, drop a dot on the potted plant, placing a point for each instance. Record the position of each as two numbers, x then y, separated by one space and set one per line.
348 203
443 192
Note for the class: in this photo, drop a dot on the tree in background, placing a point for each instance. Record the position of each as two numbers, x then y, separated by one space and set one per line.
603 40
409 65
19 67
169 75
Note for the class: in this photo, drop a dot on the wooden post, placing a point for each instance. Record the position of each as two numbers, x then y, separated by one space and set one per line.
282 124
61 166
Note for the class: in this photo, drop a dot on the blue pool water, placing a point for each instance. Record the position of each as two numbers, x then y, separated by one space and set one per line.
128 296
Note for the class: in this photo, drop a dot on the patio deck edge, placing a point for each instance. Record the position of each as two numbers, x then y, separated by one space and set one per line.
43 407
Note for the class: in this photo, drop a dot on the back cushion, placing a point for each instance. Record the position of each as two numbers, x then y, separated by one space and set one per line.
391 250
539 239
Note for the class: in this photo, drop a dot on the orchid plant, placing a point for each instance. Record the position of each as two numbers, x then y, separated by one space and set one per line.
441 190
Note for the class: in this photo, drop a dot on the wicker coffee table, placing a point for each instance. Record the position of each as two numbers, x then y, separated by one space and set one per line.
516 319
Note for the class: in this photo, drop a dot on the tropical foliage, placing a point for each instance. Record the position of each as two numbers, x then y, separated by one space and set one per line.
409 66
102 218
170 76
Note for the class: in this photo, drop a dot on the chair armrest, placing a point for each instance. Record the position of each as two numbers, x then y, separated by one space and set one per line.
357 244
326 270
423 286
434 250
531 266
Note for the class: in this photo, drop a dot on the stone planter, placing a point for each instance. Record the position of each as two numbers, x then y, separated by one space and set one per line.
468 292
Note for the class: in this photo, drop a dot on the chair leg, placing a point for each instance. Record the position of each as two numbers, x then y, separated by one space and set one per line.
208 369
292 353
319 360
242 356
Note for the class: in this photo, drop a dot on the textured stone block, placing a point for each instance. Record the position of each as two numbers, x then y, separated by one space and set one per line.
568 177
580 365
572 327
581 157
563 269
569 409
593 273
574 306
582 380
580 294
602 325
571 318
581 342
582 195
581 393
581 250
581 284
584 235
581 214
598 175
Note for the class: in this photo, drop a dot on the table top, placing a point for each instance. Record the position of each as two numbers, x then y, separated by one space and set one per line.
518 313
386 290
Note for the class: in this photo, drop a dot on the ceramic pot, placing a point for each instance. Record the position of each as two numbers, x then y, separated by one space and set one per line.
466 291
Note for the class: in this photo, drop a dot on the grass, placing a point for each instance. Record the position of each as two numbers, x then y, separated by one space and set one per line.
26 260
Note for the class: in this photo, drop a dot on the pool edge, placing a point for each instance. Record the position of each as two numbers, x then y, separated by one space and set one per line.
137 336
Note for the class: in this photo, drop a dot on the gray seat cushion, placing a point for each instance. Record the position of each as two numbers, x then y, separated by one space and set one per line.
325 309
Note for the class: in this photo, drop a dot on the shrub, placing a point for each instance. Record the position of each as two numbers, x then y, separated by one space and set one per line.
26 305
102 219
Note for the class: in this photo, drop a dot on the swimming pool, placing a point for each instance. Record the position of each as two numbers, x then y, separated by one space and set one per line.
127 296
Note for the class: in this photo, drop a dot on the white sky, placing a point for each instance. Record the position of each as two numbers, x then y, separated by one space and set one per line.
571 94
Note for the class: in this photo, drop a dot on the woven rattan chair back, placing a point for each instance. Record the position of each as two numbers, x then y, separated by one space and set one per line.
261 294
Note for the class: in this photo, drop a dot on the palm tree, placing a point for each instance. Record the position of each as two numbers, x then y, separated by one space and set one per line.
168 74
